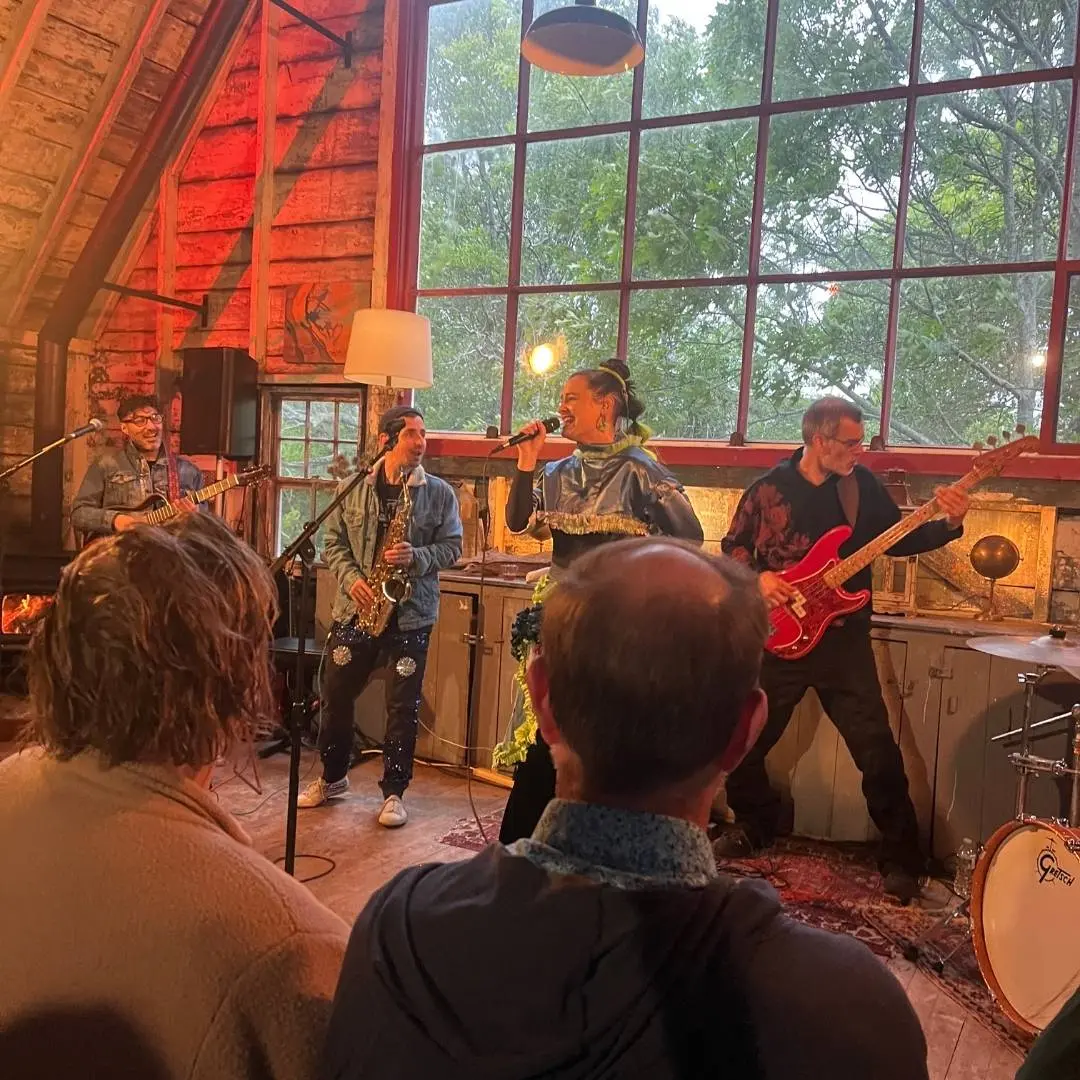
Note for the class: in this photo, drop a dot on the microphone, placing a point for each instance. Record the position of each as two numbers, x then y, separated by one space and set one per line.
552 423
92 425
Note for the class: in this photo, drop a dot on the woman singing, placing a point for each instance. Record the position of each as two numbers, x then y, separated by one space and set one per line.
609 488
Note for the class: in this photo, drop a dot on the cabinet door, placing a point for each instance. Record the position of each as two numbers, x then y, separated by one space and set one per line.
813 761
444 708
495 668
959 779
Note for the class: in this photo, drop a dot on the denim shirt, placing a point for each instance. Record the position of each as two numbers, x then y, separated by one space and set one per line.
351 533
123 478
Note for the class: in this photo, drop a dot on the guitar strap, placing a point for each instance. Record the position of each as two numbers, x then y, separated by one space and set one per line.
847 488
171 471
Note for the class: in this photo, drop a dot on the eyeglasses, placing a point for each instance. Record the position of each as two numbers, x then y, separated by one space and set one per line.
143 420
847 444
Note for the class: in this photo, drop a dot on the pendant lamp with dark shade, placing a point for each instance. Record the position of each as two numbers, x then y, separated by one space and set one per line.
582 40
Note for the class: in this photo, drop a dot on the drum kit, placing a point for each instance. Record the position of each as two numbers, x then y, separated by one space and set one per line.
1025 890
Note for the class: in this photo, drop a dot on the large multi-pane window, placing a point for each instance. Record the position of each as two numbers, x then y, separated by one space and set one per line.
788 198
316 441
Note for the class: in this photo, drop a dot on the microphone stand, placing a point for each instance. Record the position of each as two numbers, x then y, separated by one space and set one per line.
303 548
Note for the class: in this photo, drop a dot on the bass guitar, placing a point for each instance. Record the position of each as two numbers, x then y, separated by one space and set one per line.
156 509
819 577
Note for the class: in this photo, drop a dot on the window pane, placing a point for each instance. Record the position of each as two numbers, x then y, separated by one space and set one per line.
1068 428
563 101
969 357
467 336
349 423
472 69
703 55
962 40
583 330
294 511
685 356
830 191
465 218
695 193
293 419
988 173
848 46
291 457
320 458
321 420
811 340
575 208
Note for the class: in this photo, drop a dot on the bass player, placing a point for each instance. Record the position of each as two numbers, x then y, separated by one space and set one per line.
778 519
355 542
128 476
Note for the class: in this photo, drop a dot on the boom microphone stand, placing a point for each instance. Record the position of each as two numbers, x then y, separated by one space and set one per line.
303 548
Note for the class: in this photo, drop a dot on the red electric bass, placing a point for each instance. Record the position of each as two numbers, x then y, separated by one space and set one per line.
818 578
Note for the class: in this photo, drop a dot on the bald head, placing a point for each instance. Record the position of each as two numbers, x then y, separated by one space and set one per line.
653 650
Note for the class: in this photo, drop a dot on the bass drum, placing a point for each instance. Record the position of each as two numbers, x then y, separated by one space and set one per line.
1025 907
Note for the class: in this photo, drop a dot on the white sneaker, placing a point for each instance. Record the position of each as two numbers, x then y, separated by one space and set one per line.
318 791
393 813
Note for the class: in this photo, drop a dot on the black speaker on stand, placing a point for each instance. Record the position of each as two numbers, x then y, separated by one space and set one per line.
220 413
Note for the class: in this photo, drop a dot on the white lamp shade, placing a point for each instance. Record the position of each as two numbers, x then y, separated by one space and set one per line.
389 348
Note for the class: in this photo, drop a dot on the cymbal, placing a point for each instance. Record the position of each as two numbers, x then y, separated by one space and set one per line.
1049 650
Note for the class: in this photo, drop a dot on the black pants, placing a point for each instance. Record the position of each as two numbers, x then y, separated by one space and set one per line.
405 655
534 788
842 671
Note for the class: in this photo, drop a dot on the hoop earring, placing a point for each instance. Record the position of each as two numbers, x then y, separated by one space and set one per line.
601 424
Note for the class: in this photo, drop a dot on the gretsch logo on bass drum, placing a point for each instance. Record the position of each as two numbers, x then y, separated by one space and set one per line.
1050 870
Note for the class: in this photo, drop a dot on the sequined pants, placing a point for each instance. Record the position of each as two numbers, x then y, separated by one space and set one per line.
404 656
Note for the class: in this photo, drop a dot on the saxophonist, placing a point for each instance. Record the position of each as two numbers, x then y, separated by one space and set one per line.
358 553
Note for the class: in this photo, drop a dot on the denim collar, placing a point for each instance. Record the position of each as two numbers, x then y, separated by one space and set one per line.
625 848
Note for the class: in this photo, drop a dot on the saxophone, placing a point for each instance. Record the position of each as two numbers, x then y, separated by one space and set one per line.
390 584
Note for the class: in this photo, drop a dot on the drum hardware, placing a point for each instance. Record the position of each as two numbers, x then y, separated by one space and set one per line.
1022 897
1073 714
920 947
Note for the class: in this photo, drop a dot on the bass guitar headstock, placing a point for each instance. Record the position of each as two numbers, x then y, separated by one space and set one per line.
991 462
255 475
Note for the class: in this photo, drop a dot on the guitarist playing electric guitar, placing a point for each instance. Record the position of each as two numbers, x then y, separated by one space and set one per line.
127 477
778 520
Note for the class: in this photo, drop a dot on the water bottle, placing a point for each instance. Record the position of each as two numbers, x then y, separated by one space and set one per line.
965 868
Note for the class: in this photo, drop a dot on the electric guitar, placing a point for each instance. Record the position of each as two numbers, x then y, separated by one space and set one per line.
818 578
156 509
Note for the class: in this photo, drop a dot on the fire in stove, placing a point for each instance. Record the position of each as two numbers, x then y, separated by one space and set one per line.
20 612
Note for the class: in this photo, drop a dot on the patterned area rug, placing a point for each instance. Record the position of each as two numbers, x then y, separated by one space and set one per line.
836 887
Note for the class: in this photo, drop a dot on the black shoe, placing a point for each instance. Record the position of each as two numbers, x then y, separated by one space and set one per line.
901 886
739 843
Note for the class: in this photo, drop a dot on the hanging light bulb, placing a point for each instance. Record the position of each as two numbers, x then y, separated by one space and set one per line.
541 359
583 40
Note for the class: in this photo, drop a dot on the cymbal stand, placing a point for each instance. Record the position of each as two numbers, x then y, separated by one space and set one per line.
1023 760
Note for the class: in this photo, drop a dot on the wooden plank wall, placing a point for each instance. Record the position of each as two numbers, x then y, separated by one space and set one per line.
324 152
74 54
17 359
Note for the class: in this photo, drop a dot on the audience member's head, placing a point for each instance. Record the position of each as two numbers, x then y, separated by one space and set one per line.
155 649
646 682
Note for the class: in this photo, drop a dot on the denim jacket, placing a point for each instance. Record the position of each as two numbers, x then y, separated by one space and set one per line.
122 477
351 533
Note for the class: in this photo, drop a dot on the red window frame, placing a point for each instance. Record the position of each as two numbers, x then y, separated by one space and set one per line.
1056 461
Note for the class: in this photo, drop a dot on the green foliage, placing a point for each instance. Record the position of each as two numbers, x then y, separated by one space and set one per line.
986 187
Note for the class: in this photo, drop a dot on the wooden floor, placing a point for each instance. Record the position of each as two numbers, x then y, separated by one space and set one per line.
959 1047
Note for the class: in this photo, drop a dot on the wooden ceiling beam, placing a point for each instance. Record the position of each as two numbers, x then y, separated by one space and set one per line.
18 46
23 277
133 247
